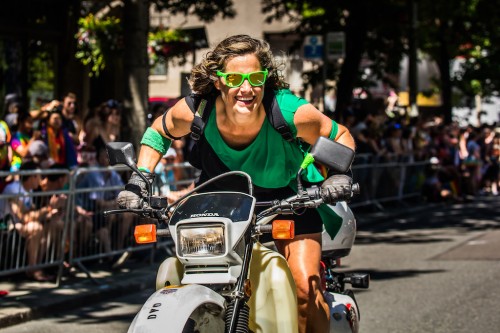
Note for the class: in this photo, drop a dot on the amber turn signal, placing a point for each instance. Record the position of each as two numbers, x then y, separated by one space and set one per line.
145 233
283 229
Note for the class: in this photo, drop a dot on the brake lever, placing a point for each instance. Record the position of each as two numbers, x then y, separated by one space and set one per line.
121 211
147 212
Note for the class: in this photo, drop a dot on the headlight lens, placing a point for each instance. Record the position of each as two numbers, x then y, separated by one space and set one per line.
201 241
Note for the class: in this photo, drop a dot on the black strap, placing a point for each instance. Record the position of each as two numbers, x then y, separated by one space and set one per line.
275 117
201 106
165 127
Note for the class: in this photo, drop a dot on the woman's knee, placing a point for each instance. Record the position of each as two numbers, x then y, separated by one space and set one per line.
31 229
308 287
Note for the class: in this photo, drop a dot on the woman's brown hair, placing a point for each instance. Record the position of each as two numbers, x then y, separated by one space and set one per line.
203 75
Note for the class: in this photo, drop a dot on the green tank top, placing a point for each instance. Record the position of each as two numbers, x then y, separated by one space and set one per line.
271 161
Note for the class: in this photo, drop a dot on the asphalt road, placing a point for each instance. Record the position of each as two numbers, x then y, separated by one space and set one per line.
435 271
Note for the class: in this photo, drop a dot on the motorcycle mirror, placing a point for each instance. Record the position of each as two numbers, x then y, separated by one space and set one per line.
332 154
121 153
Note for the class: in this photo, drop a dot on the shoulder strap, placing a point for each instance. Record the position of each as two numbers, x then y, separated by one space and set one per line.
164 124
275 117
201 106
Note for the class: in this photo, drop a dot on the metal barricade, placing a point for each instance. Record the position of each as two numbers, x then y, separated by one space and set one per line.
94 236
80 233
33 224
387 179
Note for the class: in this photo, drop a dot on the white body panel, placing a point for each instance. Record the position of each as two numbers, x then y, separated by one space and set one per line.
273 304
168 310
344 239
342 318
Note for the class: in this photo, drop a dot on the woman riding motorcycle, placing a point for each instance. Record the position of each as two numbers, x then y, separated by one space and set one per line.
239 71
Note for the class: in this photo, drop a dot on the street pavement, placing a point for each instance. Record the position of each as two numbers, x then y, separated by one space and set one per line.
27 300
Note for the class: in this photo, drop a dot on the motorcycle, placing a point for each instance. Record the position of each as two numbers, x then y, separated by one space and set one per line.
223 279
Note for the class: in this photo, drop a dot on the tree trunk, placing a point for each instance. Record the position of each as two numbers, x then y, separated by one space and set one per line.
444 71
136 69
355 45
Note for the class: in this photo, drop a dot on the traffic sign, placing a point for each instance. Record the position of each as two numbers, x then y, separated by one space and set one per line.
335 45
313 47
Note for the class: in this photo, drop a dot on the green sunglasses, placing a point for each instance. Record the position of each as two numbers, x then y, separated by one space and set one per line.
234 80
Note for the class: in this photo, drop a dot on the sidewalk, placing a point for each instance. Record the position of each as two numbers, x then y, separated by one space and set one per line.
28 300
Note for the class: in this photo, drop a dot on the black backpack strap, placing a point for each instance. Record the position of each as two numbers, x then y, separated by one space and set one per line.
275 117
165 127
201 106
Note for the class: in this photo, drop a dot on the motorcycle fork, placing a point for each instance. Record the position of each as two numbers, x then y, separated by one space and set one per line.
242 292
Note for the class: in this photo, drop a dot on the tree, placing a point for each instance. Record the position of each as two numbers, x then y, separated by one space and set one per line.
371 29
135 15
467 30
378 30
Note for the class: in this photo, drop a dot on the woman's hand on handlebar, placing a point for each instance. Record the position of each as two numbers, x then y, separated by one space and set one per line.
135 191
338 188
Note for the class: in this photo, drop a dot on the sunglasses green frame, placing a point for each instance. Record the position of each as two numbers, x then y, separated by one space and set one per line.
244 77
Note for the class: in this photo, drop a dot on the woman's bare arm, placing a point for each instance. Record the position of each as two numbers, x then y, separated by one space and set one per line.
178 122
311 124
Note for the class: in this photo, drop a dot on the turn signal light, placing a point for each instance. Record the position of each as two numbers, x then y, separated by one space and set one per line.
283 229
145 233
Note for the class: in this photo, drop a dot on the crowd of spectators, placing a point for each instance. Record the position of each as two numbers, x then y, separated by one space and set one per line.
464 163
464 160
58 136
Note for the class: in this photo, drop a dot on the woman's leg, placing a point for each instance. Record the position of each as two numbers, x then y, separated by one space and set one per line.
303 254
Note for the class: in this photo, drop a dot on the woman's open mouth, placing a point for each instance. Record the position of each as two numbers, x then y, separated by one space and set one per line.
244 100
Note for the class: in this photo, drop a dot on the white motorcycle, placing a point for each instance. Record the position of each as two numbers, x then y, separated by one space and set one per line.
222 278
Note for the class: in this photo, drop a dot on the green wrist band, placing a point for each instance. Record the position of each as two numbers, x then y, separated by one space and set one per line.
144 169
156 141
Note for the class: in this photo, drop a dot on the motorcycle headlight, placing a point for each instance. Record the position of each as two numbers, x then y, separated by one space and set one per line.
201 241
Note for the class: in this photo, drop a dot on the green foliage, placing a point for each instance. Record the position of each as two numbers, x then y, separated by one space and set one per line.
41 74
205 10
41 71
165 45
468 31
97 40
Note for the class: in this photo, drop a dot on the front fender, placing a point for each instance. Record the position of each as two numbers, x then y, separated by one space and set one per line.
169 308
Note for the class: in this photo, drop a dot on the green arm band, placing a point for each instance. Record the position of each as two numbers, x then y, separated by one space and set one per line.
156 141
335 129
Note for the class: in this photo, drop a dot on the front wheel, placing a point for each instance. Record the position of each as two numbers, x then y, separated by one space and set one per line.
189 327
207 318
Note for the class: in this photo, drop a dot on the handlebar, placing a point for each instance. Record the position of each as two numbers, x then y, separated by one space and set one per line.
308 198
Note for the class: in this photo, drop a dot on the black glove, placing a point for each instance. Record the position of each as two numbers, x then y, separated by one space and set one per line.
337 188
135 191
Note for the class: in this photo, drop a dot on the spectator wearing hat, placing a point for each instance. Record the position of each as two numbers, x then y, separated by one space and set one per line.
39 153
12 107
165 176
